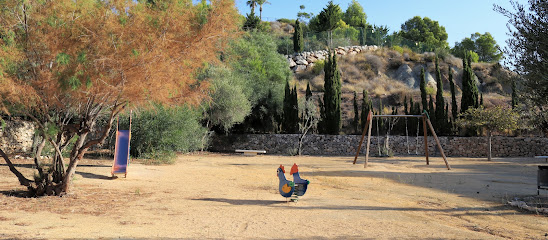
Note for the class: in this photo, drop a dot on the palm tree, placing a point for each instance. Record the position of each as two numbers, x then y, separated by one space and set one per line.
260 3
252 4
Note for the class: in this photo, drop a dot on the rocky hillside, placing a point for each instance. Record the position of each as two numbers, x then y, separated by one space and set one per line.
390 75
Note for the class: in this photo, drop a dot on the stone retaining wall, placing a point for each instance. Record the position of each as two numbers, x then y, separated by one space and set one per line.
16 137
346 145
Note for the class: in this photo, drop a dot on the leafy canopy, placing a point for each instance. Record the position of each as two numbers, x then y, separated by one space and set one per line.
425 31
484 45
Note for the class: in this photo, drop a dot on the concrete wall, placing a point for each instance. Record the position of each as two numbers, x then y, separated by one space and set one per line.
346 145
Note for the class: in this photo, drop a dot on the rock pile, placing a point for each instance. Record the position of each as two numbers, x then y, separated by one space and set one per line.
301 61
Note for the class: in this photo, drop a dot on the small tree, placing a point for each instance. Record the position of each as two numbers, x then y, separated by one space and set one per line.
356 121
454 110
367 105
328 19
469 89
440 101
492 119
298 40
310 121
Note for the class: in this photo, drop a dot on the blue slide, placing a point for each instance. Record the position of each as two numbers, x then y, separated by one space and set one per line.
121 153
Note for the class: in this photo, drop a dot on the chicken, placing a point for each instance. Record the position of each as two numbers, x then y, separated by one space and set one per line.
300 184
286 187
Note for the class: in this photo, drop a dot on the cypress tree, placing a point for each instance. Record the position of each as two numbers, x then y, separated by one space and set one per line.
454 109
286 120
440 102
308 93
356 121
367 106
295 111
361 36
321 122
469 88
481 99
514 95
332 95
431 109
423 90
298 40
405 105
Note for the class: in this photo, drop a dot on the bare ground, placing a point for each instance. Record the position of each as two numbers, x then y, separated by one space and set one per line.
235 197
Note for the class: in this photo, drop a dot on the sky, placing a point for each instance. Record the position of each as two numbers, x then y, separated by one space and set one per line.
460 18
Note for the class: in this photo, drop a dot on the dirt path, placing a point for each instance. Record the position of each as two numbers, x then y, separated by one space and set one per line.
231 196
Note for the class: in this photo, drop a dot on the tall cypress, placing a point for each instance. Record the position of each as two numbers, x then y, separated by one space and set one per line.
332 95
514 94
481 100
431 109
361 36
356 121
454 109
423 90
367 106
308 93
295 111
440 102
298 40
469 89
286 120
405 105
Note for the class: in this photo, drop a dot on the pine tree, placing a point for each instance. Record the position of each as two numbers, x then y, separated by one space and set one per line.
332 95
356 121
423 90
298 40
454 109
469 89
440 102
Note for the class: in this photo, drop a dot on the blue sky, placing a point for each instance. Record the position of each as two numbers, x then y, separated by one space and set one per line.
460 18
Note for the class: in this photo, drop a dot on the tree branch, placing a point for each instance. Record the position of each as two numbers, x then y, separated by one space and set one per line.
22 179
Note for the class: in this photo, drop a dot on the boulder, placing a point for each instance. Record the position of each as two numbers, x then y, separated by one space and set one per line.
405 75
299 68
291 62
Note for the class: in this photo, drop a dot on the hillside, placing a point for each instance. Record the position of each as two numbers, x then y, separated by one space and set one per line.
391 75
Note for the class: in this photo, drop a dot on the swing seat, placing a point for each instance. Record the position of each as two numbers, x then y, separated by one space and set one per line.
121 153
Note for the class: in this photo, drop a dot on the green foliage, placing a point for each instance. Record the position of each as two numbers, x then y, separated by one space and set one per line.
426 32
62 59
229 103
332 96
527 53
356 121
376 35
514 94
308 92
290 123
440 101
484 45
367 105
469 89
252 22
159 131
329 17
454 110
354 15
286 20
422 87
493 119
473 56
298 40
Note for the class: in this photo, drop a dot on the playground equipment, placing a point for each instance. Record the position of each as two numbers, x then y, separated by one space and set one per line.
425 121
285 187
292 189
121 150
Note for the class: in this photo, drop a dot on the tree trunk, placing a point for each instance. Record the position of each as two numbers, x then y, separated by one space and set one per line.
489 134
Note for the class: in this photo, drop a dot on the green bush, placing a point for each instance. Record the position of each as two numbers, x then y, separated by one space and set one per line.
157 133
318 67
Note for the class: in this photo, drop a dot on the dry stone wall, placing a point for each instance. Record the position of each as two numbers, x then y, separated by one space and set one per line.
346 145
301 61
16 137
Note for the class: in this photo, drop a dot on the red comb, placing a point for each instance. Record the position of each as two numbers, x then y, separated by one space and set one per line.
294 169
282 167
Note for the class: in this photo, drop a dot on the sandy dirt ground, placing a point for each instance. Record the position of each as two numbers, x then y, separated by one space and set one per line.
229 196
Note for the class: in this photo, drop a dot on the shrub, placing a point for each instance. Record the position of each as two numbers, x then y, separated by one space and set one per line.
398 49
157 133
318 67
376 63
285 20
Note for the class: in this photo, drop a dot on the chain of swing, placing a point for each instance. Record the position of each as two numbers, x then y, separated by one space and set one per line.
390 126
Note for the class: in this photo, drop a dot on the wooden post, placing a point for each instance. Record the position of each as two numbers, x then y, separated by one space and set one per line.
368 139
363 136
439 145
425 138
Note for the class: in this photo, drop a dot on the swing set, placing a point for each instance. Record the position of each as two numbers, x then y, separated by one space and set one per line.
425 122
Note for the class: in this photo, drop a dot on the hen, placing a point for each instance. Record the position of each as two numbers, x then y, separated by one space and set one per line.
286 187
300 184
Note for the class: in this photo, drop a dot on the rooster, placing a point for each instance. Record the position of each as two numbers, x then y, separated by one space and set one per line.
286 187
300 184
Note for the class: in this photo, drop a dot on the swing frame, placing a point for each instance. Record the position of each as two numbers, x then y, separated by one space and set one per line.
425 121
